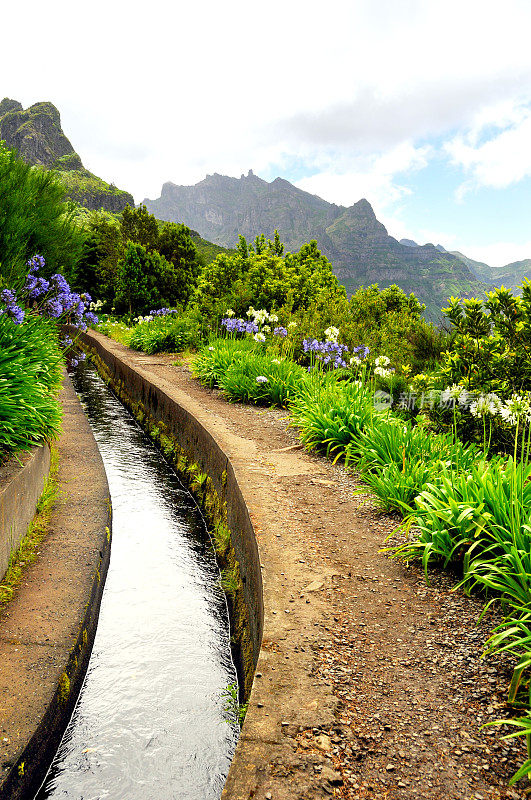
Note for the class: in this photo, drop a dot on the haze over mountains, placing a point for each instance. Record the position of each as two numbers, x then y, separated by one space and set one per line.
357 244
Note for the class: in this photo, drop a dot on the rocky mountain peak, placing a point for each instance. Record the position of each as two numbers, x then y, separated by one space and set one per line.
36 134
9 105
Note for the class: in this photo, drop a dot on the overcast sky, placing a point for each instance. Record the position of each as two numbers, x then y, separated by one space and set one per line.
421 106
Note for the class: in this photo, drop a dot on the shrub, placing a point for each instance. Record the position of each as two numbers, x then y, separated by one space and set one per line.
212 362
30 379
169 333
257 378
332 413
264 276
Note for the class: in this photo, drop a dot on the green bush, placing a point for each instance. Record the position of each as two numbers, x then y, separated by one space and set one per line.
30 379
332 413
169 333
33 219
264 276
398 460
258 378
212 362
491 342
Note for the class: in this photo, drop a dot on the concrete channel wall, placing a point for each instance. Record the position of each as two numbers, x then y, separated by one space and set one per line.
21 484
155 407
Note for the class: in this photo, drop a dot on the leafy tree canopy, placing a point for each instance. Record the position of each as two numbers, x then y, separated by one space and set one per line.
107 245
263 276
33 219
146 280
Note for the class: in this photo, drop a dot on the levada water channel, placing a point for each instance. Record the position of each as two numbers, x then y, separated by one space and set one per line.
152 718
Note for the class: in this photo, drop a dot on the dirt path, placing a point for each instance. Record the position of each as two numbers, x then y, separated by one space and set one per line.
393 691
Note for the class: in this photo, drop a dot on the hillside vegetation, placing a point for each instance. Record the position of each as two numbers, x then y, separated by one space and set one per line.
36 134
356 243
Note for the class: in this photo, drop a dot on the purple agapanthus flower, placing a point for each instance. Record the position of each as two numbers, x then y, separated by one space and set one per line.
280 331
327 352
163 312
12 309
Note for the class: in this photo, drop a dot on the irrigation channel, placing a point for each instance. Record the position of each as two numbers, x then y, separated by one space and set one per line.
152 719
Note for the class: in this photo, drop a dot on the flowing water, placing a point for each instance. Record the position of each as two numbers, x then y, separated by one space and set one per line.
151 721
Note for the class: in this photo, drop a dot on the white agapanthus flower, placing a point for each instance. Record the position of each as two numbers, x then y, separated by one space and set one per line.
273 318
259 337
331 334
382 361
452 392
210 348
292 324
260 316
516 409
229 312
266 329
354 361
465 398
261 379
383 373
250 311
486 404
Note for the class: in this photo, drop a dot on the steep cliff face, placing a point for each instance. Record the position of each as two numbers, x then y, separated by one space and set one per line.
37 135
357 244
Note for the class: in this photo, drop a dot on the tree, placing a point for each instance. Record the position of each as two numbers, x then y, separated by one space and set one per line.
108 240
146 280
263 276
138 225
33 219
177 247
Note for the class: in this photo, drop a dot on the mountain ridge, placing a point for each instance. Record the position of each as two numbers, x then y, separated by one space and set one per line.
36 134
356 242
510 275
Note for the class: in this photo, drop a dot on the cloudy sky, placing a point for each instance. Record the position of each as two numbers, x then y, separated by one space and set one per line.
421 106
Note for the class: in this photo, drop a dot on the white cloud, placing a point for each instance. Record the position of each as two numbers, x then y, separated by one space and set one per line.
497 254
351 93
376 177
495 151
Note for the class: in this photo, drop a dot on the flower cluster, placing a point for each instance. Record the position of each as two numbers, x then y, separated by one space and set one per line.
54 298
147 318
280 331
12 309
381 367
513 411
486 404
236 325
74 360
453 394
327 351
331 334
50 298
360 354
261 316
162 312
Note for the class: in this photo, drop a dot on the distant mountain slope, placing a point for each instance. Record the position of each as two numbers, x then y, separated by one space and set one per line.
511 275
37 135
357 244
